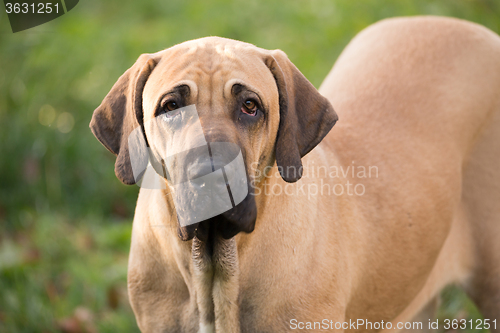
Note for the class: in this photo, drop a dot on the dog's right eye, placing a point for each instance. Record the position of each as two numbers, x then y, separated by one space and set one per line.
170 106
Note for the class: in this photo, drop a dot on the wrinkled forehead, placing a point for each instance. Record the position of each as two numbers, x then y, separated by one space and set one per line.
210 66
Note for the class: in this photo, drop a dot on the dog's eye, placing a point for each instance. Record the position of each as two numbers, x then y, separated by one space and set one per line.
170 106
249 107
169 109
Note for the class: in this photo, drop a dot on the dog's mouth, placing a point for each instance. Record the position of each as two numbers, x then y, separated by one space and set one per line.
240 218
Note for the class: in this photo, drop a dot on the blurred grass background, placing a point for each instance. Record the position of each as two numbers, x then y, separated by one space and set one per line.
65 220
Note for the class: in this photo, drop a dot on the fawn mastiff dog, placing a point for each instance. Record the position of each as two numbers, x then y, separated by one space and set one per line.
418 101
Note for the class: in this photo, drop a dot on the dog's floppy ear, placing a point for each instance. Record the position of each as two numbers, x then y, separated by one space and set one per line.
305 116
119 114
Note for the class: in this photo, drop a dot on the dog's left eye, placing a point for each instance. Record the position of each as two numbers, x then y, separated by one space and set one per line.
249 107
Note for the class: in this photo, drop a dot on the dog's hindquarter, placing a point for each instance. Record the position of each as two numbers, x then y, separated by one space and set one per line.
413 96
480 202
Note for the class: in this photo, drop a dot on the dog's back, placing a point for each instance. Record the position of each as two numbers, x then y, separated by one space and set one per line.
420 98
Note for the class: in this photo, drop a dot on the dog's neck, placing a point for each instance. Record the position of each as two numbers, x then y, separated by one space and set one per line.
216 283
212 275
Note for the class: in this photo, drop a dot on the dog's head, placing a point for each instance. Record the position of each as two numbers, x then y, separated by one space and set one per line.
209 102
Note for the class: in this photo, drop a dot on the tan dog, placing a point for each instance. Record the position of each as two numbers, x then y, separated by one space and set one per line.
419 107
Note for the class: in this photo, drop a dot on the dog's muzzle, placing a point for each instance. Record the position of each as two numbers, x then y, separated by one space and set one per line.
207 180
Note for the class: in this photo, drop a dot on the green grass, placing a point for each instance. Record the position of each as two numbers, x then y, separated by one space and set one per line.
64 217
456 305
55 266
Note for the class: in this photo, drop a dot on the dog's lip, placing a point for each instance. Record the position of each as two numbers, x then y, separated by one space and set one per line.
240 218
187 233
202 230
198 230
